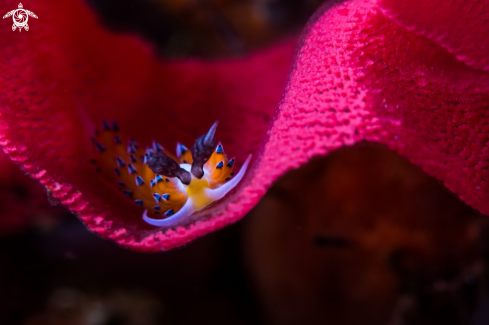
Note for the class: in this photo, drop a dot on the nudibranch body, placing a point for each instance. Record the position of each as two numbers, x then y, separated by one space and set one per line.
172 188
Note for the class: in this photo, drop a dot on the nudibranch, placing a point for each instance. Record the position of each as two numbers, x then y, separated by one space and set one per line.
170 188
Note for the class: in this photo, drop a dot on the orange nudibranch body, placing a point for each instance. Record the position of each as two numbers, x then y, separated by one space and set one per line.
194 178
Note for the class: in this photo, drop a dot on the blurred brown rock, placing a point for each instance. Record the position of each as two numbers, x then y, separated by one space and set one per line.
364 237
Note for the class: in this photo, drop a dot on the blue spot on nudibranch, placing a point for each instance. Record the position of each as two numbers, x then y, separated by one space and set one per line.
181 149
117 171
220 164
117 140
128 193
231 163
106 125
115 126
131 169
131 149
157 207
133 159
139 202
139 181
169 213
157 197
158 178
157 146
219 149
120 162
100 147
122 184
152 182
166 196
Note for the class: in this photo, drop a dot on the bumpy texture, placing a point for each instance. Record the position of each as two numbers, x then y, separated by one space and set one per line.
358 76
457 25
68 70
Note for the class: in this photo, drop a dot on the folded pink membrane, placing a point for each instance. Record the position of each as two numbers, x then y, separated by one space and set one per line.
387 72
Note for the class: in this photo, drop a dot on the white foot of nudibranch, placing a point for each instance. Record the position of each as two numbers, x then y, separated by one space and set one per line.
186 211
189 208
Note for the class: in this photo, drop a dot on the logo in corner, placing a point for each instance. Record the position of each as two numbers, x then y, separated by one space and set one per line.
20 17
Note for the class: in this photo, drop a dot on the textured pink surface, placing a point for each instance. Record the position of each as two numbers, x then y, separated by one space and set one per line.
358 76
459 26
67 63
361 76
